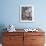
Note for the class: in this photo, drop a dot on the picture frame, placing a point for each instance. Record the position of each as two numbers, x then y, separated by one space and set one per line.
27 13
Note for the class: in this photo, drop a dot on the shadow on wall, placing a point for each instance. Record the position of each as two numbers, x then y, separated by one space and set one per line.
2 26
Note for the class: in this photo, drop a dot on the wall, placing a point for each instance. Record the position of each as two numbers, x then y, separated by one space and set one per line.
10 10
9 13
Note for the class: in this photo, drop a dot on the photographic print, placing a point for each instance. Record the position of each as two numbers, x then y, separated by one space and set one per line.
26 13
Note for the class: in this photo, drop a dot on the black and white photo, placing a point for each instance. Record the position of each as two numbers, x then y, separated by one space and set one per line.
26 13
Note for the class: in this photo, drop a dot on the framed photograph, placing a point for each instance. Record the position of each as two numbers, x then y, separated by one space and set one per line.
26 13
